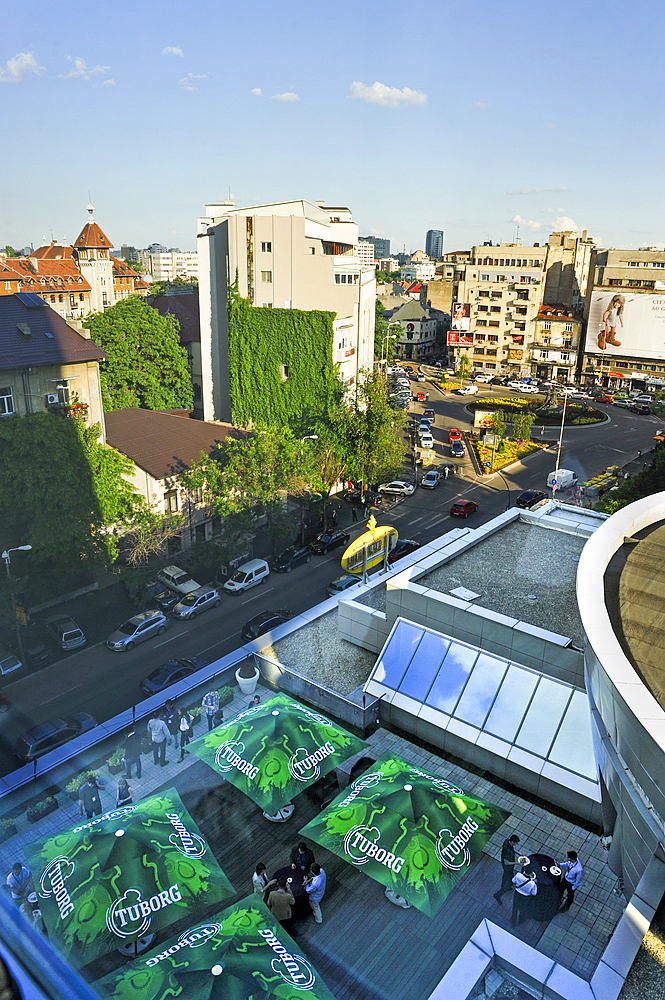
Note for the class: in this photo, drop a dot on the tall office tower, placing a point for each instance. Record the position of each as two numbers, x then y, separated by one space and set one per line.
434 244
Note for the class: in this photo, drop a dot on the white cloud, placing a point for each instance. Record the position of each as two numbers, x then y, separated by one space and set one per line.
109 83
550 125
17 67
173 50
563 222
186 81
387 97
82 70
561 187
528 223
290 96
257 92
482 104
553 211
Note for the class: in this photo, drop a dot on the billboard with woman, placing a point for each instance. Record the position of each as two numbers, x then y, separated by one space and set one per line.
626 325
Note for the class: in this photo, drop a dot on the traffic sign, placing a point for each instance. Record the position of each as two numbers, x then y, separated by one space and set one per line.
488 465
554 484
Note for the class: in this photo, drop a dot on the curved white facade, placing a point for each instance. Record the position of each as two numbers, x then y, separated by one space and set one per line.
628 722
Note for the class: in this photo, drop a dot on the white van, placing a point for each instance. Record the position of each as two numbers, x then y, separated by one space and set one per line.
565 480
248 575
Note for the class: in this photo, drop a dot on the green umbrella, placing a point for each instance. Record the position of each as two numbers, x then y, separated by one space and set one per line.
239 953
411 831
275 750
123 875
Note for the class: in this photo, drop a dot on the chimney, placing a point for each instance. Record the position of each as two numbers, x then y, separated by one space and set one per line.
319 204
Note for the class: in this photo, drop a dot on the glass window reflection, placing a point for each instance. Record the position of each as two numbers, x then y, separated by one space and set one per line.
424 666
543 717
573 742
481 690
511 703
452 677
397 654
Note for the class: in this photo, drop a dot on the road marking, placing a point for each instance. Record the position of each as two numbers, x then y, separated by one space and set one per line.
250 599
229 638
415 520
60 694
157 645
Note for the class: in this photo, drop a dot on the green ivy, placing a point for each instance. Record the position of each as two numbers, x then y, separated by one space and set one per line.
280 366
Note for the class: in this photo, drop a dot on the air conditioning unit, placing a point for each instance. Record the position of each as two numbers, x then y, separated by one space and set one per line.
52 397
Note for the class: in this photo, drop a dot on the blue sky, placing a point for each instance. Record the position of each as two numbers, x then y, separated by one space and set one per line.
473 117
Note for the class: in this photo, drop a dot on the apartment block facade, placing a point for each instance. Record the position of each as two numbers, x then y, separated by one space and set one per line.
625 294
380 244
165 265
292 255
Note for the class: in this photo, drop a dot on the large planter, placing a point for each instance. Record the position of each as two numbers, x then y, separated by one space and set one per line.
248 684
226 699
35 815
115 768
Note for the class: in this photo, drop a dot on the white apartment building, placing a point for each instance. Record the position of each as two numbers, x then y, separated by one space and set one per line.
418 270
165 265
495 300
291 255
366 253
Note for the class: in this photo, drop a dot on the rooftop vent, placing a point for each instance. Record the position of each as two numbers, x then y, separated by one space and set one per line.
24 329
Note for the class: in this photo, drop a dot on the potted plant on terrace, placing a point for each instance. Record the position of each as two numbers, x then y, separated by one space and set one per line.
247 676
225 695
116 761
42 808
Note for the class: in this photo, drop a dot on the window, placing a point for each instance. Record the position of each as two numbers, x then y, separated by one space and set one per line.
633 263
521 310
267 277
522 295
544 355
520 326
569 327
484 295
493 339
6 400
494 322
53 298
615 282
495 309
312 250
81 296
60 299
266 248
492 353
171 502
479 336
481 322
284 372
547 325
266 305
565 357
656 263
346 279
484 277
497 295
567 342
483 308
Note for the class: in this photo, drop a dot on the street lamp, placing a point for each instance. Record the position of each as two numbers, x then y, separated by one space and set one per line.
5 556
307 437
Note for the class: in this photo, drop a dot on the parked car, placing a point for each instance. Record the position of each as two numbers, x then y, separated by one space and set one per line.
530 498
431 479
403 547
165 599
5 702
329 540
51 735
529 389
398 487
196 602
248 575
626 404
170 673
293 556
421 397
264 622
426 439
644 398
483 378
64 632
457 449
454 434
137 629
341 584
36 651
467 390
9 663
368 498
604 397
420 377
178 580
643 408
499 380
462 508
429 414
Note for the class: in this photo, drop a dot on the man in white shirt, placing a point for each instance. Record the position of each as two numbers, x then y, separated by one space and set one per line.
19 882
159 734
315 886
572 879
525 886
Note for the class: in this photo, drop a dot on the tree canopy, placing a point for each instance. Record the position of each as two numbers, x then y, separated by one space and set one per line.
145 365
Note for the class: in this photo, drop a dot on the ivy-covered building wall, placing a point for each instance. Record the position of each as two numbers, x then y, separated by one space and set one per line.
280 366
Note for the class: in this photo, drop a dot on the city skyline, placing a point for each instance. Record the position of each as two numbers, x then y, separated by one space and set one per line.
192 106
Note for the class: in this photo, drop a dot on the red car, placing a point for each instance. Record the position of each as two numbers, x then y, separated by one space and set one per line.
462 508
603 397
454 434
421 397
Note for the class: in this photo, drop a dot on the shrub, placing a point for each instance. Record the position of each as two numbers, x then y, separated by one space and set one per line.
73 787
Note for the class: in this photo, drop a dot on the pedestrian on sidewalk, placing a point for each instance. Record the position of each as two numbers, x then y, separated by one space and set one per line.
333 518
210 702
572 879
354 514
446 472
89 797
168 714
509 863
315 886
132 752
185 729
525 887
159 734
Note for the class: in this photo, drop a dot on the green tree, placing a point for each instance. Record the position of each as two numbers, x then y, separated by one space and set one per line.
135 266
145 365
370 433
648 481
463 366
522 424
10 251
498 423
162 287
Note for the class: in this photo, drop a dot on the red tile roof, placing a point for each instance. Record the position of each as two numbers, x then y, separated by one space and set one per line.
44 337
57 273
556 311
55 251
92 236
163 443
185 308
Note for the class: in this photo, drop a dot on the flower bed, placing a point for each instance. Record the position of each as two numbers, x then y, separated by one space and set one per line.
511 452
575 413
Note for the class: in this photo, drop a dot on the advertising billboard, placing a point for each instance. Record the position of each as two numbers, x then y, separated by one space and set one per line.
483 418
626 325
461 316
